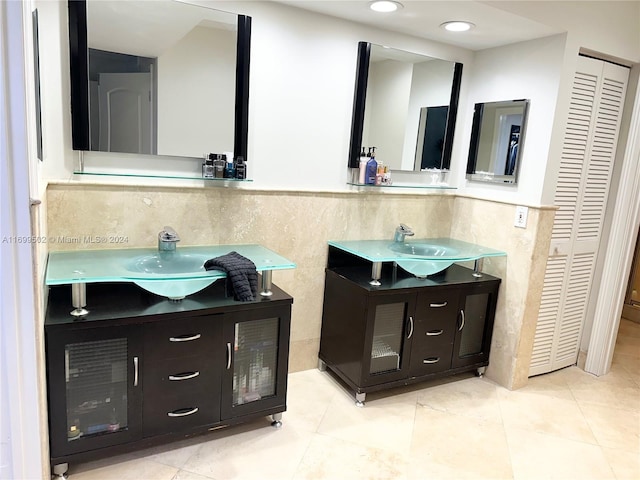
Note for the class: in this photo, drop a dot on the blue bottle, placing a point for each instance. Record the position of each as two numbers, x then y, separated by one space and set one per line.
372 168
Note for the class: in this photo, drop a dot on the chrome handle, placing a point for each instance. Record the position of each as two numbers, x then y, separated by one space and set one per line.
185 339
431 360
182 414
462 322
438 305
410 327
433 333
228 355
135 371
183 376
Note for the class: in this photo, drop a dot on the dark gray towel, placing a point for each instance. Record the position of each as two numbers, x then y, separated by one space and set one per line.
242 277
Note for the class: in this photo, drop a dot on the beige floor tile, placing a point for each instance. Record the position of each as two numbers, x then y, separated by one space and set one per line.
251 453
618 394
471 397
385 422
552 384
625 464
629 364
309 394
182 475
627 345
544 414
448 446
133 469
628 328
538 456
335 459
613 427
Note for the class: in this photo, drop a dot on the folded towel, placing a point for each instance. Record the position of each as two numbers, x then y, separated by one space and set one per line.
242 277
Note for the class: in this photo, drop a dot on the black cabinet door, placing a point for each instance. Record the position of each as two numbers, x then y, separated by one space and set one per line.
435 328
254 371
389 332
94 388
475 324
182 370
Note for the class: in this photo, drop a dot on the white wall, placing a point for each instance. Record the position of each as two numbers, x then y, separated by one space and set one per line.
527 70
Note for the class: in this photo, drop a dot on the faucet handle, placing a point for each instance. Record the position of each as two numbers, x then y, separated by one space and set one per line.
169 234
405 229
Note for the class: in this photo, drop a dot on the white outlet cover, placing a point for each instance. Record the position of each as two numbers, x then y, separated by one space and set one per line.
521 217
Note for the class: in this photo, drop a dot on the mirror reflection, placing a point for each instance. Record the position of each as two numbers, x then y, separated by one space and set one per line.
161 77
496 143
408 104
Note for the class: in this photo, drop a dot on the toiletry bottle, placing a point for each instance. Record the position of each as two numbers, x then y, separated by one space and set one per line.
379 173
363 167
372 167
241 168
386 178
229 171
208 166
219 163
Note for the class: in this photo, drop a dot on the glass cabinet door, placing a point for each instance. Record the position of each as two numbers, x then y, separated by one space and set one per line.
257 344
94 389
391 330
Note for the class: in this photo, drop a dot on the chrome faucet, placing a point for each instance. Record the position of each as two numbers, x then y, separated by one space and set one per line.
402 231
167 240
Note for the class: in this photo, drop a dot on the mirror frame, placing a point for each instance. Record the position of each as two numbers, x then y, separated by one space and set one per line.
79 66
472 159
360 97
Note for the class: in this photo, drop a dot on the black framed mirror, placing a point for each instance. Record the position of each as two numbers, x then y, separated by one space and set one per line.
157 78
497 140
405 105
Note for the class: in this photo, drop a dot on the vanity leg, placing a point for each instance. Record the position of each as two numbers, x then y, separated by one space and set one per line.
60 471
360 399
480 371
266 283
322 366
277 420
477 267
376 273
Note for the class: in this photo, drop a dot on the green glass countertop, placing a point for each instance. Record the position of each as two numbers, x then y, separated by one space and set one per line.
147 264
440 249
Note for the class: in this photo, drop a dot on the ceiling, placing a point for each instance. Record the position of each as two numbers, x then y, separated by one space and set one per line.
422 18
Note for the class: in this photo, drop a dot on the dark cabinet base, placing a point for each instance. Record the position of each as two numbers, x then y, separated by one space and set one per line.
407 330
139 370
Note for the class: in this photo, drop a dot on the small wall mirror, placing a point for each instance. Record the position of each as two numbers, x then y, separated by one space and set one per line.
497 139
158 78
405 105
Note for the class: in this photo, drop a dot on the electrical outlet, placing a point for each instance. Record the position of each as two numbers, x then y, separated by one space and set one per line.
521 217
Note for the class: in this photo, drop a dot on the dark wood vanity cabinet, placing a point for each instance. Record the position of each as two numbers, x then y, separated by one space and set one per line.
407 329
140 370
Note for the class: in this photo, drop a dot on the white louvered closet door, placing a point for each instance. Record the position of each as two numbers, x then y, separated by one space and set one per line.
582 188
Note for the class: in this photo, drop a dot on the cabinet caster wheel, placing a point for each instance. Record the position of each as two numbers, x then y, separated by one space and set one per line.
276 424
60 471
360 399
480 372
277 420
359 404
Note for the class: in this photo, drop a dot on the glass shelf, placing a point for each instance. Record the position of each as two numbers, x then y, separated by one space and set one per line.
177 177
394 185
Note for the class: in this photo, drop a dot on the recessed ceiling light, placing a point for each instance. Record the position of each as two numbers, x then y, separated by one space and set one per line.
385 6
457 26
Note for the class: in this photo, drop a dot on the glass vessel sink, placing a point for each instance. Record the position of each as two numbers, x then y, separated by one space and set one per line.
420 257
169 274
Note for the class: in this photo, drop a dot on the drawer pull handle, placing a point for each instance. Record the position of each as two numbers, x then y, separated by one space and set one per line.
135 371
438 305
433 333
182 412
185 339
184 376
431 360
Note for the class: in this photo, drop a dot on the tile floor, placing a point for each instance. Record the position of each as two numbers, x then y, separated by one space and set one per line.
563 425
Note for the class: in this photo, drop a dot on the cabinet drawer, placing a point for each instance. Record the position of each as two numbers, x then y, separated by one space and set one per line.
430 360
175 376
178 413
179 338
437 310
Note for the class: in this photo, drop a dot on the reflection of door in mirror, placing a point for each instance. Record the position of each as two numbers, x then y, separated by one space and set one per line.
431 132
